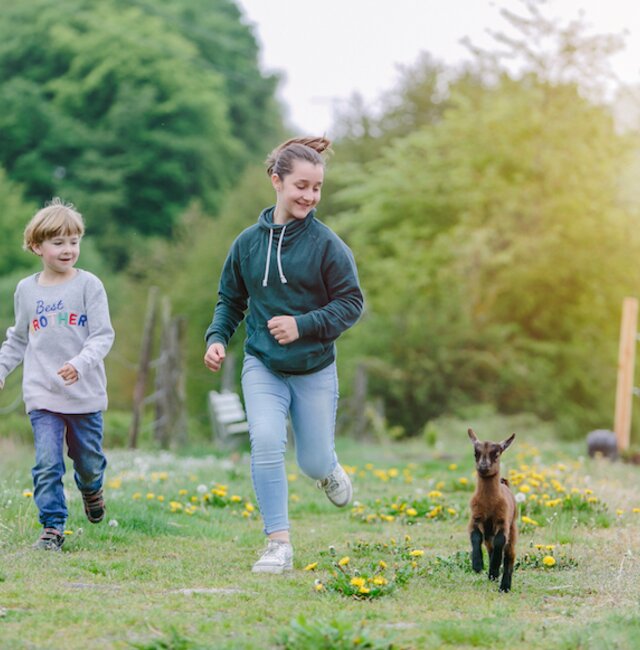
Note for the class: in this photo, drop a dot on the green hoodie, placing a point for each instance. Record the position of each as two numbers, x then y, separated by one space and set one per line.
301 269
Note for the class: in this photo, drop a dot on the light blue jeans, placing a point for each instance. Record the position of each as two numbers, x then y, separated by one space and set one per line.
84 442
311 401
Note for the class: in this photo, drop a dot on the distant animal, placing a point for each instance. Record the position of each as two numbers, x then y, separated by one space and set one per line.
602 441
493 513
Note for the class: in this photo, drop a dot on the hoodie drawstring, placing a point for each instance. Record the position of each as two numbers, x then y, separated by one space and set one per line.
283 279
266 268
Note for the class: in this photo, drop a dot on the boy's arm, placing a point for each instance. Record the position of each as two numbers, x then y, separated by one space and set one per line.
15 344
101 334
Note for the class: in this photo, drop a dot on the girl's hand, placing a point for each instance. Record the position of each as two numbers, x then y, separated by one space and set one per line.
214 357
284 329
69 374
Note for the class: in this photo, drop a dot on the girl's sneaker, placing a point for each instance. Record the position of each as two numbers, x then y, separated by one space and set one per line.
278 557
337 487
94 506
50 539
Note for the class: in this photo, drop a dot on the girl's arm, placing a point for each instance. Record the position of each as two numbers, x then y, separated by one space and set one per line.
346 301
232 301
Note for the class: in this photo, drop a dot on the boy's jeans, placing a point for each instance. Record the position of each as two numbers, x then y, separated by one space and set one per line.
311 400
84 441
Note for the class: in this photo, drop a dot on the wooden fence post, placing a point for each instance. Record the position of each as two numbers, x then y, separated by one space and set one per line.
143 367
626 363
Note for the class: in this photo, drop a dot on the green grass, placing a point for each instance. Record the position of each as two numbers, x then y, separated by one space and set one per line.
163 579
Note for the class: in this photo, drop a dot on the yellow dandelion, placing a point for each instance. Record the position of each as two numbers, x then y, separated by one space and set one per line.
434 494
115 483
407 538
440 485
548 560
182 492
235 498
294 497
550 547
380 580
635 510
451 511
417 553
68 532
393 472
318 586
357 582
311 567
246 513
411 512
528 520
525 488
382 564
463 480
453 467
136 495
160 498
249 506
27 493
194 499
151 495
344 561
364 590
292 477
619 512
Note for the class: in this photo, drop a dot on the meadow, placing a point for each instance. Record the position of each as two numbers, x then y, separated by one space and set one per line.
169 568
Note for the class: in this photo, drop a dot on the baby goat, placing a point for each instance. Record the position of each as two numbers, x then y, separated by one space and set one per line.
493 512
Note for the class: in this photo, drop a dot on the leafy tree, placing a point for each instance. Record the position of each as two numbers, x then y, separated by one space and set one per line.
130 110
495 248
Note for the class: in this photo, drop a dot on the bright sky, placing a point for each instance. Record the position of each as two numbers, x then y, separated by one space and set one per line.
329 49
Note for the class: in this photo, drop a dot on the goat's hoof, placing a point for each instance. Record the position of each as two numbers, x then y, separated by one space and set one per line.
492 577
505 590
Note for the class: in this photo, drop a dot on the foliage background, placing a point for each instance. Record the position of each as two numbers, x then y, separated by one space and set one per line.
491 208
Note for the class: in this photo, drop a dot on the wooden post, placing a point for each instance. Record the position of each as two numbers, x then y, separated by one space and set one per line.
626 362
163 403
143 367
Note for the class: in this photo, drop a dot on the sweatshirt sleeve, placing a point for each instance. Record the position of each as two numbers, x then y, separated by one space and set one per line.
232 300
15 344
101 335
346 301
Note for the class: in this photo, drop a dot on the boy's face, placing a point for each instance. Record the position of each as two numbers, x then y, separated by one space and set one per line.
59 253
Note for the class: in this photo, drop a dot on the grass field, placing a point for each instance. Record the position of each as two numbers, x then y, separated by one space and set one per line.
169 568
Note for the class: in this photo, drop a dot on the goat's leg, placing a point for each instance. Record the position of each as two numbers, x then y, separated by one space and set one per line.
509 561
476 550
495 559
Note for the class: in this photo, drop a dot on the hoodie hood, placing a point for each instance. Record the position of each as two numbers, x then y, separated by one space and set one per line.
292 230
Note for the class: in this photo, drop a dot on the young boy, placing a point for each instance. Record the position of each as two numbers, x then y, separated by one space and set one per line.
62 333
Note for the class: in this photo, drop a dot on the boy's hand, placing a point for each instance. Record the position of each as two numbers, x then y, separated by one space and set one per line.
69 374
284 329
214 357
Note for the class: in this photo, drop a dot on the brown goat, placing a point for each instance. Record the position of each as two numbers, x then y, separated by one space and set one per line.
493 513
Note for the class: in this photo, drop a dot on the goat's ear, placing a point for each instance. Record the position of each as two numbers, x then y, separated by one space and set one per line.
473 436
505 443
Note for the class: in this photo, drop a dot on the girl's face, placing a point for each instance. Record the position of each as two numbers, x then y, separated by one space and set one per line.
298 192
59 254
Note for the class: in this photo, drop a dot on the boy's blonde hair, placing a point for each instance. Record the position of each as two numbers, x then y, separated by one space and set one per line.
54 220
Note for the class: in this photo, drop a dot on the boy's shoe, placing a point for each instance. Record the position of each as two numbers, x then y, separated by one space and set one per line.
51 539
337 487
278 557
94 506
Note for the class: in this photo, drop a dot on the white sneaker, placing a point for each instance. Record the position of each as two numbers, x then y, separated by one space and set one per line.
337 487
278 557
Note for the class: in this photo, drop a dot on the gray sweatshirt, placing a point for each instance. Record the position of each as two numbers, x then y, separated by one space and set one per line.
63 323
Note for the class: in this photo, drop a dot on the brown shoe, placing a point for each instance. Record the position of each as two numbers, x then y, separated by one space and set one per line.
94 506
50 539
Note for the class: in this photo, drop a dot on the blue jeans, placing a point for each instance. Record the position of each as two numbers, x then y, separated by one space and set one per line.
311 401
84 442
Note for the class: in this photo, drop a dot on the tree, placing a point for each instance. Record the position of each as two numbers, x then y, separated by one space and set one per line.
130 110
